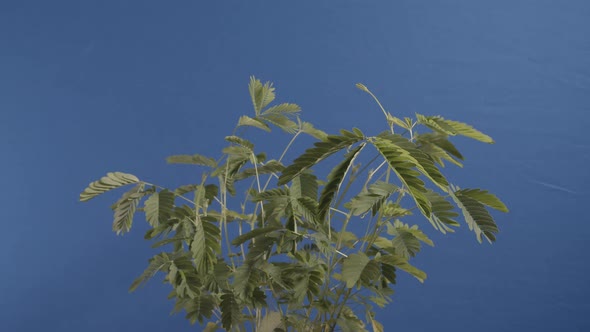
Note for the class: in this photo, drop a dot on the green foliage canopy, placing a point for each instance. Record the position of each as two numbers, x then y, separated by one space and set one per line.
277 256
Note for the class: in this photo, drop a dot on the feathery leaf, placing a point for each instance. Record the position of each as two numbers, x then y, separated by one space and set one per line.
335 179
195 159
230 310
407 239
253 122
352 268
111 181
402 163
125 209
453 128
160 262
158 207
477 217
319 152
372 198
484 197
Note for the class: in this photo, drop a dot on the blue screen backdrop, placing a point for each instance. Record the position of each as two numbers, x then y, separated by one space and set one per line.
88 87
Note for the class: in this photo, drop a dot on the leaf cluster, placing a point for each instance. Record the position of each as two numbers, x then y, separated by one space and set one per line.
295 252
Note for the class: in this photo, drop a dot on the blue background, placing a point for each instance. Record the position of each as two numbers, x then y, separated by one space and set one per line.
88 87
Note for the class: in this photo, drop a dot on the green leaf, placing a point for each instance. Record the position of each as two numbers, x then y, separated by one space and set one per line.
443 214
200 308
205 244
195 159
453 128
111 181
484 197
280 121
335 179
125 209
477 217
437 145
160 262
372 198
211 190
271 167
230 310
406 241
183 276
261 95
352 268
306 207
319 152
424 163
248 121
254 233
304 185
349 322
402 264
284 108
309 129
402 163
241 142
158 207
270 194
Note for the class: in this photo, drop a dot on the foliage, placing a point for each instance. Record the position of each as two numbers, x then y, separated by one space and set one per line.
280 257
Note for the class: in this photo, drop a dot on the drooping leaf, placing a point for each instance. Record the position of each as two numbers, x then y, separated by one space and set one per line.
320 151
195 159
335 179
402 163
304 185
443 214
484 197
160 262
111 181
352 268
424 163
200 308
206 243
372 199
253 122
307 208
230 310
246 280
477 216
125 209
453 128
439 148
158 207
261 95
402 264
184 277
